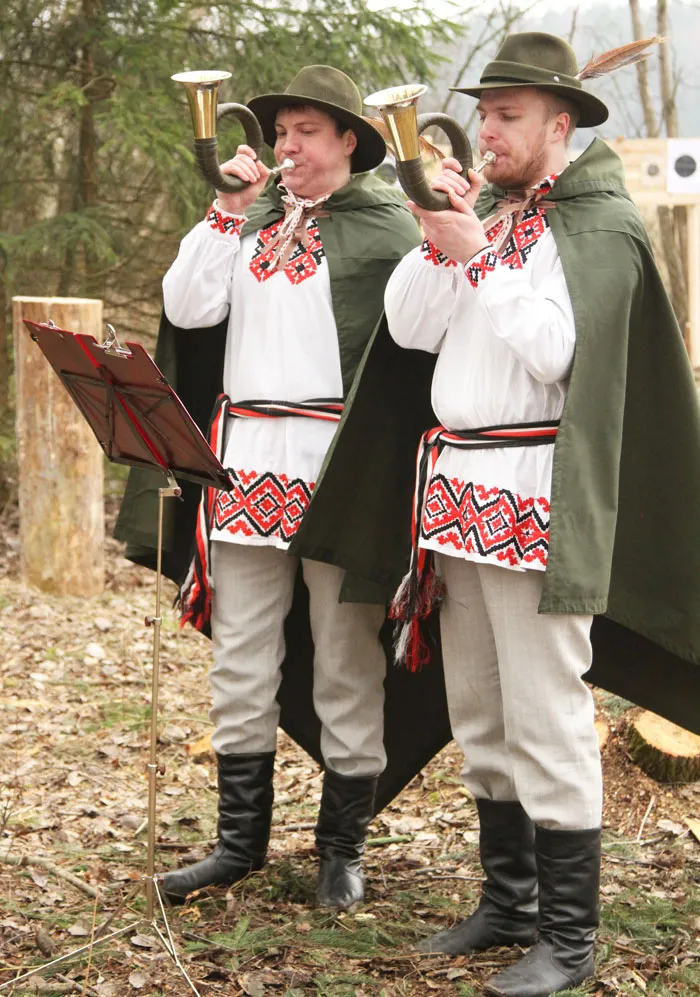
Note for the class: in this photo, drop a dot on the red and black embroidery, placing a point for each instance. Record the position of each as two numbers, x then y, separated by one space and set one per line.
266 505
226 224
486 522
479 267
515 253
523 239
431 254
303 263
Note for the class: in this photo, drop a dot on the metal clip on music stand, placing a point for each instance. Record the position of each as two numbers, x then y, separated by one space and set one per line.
140 421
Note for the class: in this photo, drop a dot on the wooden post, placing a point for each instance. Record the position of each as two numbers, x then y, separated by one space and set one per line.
694 284
61 466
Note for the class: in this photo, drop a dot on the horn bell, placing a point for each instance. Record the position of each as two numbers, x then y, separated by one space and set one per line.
202 89
397 106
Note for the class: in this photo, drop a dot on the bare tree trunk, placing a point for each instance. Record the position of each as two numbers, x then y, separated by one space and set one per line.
671 220
675 264
4 343
85 194
87 184
572 29
643 75
668 102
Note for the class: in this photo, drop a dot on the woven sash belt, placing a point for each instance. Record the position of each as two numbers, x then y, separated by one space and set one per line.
421 590
195 595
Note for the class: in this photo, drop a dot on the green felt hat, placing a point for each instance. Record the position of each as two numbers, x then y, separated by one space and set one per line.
535 59
329 90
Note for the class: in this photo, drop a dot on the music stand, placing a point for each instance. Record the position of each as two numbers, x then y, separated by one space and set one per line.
140 421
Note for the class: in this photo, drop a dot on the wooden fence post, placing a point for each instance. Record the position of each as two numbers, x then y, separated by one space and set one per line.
61 466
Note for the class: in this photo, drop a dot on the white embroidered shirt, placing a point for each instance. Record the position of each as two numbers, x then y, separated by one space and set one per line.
503 328
281 345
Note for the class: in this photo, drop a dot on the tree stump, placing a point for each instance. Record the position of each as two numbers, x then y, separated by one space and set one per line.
664 751
61 465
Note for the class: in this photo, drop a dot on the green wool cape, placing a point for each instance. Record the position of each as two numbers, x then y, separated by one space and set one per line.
365 233
625 511
625 516
625 521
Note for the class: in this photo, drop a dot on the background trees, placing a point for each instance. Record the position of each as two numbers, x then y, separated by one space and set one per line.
97 182
97 178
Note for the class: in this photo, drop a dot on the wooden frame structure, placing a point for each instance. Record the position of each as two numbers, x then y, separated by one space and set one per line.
646 168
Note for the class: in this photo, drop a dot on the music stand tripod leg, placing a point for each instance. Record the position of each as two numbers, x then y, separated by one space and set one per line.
171 490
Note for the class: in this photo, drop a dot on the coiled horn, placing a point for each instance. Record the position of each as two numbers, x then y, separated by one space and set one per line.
397 106
202 88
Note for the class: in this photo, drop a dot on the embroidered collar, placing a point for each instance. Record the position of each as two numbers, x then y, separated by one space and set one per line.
297 212
511 208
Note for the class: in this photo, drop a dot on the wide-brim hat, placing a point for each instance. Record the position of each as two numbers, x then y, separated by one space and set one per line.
536 59
332 91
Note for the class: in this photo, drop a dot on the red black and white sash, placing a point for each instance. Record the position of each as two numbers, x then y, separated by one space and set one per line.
421 590
195 595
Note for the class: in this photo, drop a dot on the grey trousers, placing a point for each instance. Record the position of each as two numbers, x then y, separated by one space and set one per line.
518 706
253 589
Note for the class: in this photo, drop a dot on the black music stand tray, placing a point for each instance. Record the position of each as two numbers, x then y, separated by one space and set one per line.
140 421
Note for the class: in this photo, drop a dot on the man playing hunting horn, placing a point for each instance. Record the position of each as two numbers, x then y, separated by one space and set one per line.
296 269
552 329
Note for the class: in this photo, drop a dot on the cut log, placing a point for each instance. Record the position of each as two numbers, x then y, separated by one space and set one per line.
664 751
61 465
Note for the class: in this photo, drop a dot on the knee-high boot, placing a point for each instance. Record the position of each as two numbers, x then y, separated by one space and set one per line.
568 871
507 911
245 815
347 806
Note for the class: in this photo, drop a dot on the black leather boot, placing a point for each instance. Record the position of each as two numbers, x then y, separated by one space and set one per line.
568 870
347 806
245 815
507 911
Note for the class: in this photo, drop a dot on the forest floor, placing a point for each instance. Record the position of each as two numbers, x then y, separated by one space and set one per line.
74 735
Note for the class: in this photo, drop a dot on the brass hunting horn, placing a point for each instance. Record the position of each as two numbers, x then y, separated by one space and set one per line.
397 106
202 88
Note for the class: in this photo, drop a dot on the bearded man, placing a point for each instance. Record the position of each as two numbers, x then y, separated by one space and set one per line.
552 330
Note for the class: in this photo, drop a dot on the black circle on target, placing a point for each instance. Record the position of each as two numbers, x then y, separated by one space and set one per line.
685 166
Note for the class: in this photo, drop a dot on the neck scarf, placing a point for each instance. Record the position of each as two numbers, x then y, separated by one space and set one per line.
511 208
297 211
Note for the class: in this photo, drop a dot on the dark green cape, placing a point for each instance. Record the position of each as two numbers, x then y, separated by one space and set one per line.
625 523
625 517
365 235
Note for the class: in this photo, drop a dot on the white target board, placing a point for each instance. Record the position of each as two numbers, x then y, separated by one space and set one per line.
683 166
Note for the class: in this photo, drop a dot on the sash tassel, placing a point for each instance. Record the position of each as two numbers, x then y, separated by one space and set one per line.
194 599
421 590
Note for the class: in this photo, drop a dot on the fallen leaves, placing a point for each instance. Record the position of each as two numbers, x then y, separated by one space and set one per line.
137 979
75 791
141 941
252 984
44 942
201 748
